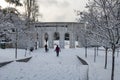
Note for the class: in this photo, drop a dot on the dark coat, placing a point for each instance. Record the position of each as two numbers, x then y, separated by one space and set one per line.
57 49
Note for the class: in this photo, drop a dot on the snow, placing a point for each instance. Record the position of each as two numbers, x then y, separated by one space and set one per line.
9 54
46 66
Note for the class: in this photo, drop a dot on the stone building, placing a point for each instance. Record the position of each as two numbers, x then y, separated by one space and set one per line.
48 32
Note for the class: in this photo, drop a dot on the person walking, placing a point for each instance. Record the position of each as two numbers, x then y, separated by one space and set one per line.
57 49
46 48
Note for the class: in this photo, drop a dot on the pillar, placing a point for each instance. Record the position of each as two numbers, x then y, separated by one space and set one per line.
50 40
72 40
61 42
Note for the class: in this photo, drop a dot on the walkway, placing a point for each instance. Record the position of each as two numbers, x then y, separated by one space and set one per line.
45 66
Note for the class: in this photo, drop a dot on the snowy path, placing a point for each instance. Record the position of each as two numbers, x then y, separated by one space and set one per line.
44 66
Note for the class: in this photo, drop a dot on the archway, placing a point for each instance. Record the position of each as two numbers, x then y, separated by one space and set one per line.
56 37
67 40
46 36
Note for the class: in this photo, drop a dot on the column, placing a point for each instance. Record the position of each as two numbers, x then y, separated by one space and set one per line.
72 40
61 42
50 40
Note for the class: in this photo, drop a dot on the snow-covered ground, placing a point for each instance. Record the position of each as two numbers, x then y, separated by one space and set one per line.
46 66
96 69
42 66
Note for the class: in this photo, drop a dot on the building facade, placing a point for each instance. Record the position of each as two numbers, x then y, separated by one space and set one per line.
48 32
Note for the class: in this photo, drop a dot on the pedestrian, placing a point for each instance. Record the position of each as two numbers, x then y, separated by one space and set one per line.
57 49
31 49
46 48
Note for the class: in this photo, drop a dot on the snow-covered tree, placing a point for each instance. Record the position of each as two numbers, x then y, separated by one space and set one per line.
16 25
83 38
103 19
19 33
5 27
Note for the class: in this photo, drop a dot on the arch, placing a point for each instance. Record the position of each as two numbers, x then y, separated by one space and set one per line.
46 36
67 40
67 36
56 36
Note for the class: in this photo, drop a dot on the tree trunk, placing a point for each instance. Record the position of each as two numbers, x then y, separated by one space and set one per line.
106 50
16 44
97 50
113 63
25 52
28 9
118 52
86 52
95 54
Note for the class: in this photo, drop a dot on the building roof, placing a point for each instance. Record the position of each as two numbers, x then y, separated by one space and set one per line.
55 24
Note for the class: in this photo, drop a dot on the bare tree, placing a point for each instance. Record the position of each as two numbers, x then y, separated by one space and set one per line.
32 10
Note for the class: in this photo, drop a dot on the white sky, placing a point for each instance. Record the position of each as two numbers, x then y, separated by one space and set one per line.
58 10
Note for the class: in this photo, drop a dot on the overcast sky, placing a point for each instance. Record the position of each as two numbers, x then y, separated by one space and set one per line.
58 10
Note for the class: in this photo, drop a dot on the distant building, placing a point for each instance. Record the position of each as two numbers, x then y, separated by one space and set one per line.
60 31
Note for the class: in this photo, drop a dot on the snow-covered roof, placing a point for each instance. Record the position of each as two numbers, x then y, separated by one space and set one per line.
55 24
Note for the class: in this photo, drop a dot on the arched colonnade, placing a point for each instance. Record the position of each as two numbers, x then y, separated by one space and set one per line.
49 32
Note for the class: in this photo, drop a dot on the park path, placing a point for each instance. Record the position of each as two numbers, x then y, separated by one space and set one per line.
45 66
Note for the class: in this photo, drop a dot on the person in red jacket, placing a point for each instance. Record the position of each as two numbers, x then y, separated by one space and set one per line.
57 49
